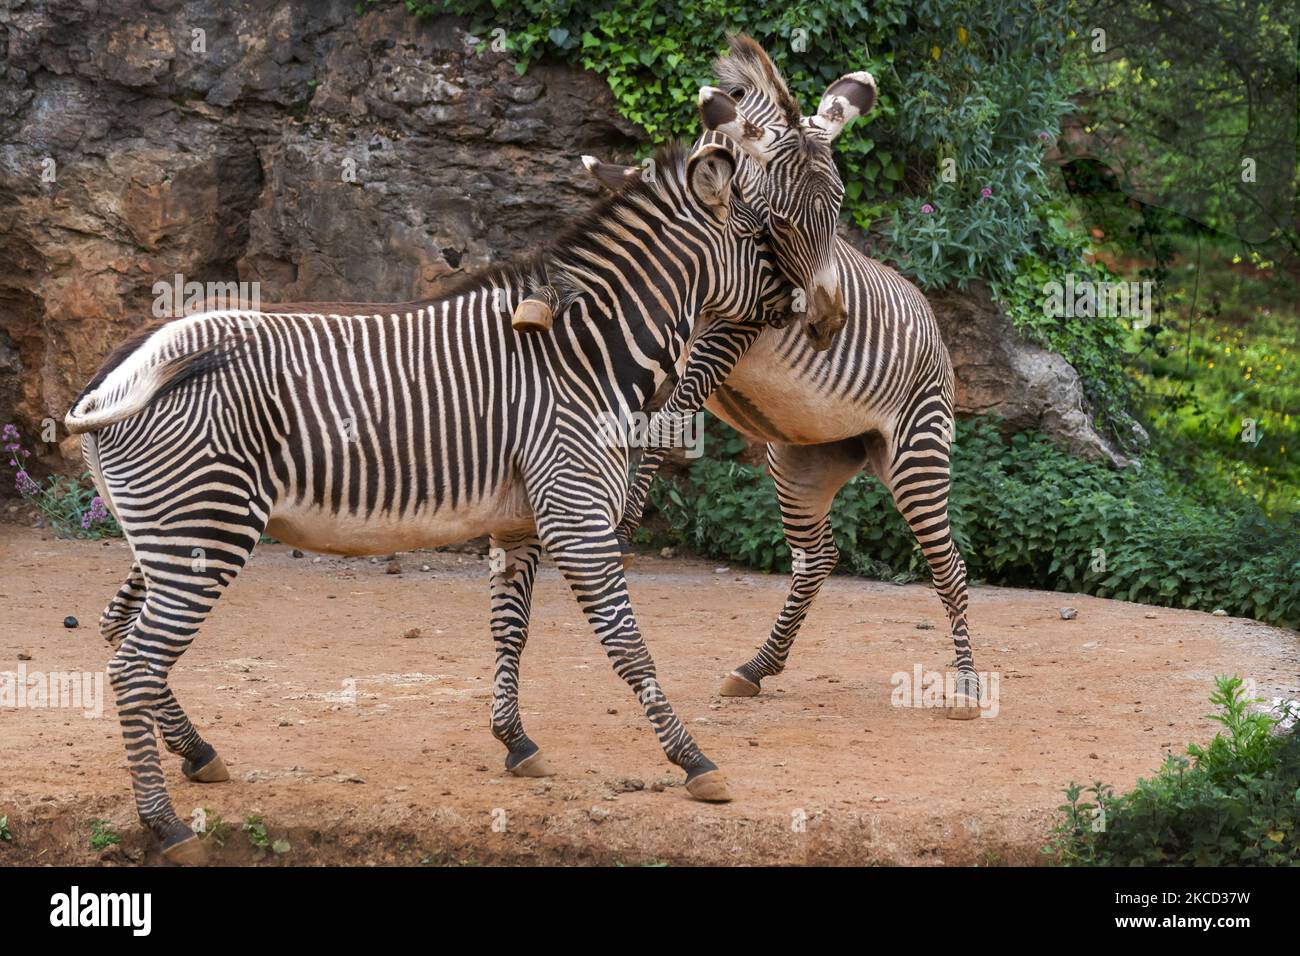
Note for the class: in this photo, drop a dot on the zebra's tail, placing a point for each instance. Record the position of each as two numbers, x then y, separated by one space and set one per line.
122 391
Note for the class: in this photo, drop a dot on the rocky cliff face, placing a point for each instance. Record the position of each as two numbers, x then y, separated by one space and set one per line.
321 154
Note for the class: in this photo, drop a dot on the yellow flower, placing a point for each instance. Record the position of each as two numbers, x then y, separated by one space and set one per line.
962 35
934 52
1211 365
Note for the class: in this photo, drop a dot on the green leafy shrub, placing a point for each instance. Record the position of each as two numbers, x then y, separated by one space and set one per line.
1024 514
1235 802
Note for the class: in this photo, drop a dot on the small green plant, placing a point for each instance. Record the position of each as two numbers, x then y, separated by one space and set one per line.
1235 802
103 835
70 505
215 829
261 840
5 835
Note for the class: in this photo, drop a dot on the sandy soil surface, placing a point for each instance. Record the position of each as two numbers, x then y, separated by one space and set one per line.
824 767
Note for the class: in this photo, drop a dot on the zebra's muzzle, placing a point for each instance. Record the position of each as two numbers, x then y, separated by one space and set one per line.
825 318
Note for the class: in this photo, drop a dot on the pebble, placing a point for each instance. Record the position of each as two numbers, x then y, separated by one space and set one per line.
425 567
296 553
24 657
598 813
394 567
1068 614
667 553
1150 615
722 570
1220 612
315 560
925 627
69 622
413 633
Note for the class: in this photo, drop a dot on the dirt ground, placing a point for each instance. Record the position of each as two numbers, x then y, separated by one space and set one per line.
823 766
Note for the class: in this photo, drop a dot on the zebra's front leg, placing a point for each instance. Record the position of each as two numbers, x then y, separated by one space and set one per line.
638 493
514 567
807 478
712 356
584 547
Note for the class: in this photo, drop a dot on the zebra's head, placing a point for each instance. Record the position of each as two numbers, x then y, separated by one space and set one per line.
803 190
720 191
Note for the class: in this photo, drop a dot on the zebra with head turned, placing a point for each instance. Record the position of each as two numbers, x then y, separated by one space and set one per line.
365 429
880 397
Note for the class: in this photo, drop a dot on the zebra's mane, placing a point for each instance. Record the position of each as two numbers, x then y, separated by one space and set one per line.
747 66
589 233
564 259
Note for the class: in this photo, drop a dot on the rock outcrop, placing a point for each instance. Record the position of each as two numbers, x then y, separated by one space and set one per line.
999 373
323 155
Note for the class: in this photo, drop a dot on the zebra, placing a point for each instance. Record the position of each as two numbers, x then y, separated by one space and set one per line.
363 429
880 397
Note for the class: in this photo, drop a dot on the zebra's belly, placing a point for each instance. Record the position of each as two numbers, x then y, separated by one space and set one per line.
767 399
313 528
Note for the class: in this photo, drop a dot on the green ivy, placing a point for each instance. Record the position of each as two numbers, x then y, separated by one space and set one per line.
976 82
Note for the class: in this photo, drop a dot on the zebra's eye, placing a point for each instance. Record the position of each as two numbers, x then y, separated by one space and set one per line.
736 93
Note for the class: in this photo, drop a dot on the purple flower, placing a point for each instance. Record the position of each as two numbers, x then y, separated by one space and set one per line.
927 209
25 485
1044 136
985 193
96 513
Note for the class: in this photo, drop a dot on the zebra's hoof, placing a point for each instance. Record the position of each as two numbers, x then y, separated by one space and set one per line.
733 685
189 851
211 770
962 707
710 786
533 765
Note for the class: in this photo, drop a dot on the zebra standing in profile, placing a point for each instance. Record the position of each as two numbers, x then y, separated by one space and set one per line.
363 430
881 396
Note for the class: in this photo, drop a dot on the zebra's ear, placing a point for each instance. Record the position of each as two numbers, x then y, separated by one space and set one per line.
719 112
611 175
849 97
709 172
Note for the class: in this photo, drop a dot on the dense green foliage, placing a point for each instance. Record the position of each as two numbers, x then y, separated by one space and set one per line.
1024 514
1235 802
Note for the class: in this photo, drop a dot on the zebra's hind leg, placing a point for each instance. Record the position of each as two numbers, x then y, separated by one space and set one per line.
585 548
116 621
181 589
202 764
514 567
918 476
807 478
